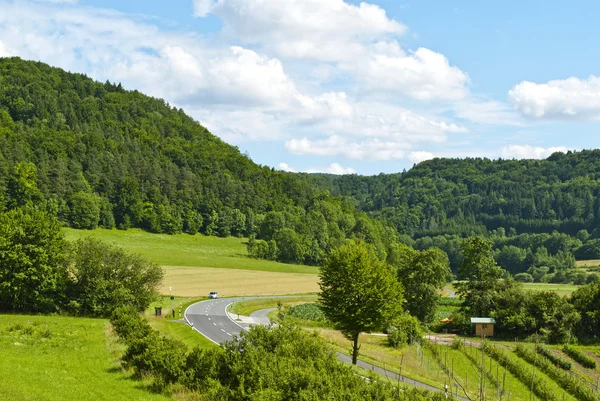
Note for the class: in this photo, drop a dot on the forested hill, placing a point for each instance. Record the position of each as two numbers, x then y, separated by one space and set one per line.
473 196
539 213
95 154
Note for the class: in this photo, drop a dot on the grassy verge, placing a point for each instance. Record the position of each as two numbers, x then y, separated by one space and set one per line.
188 250
245 308
61 358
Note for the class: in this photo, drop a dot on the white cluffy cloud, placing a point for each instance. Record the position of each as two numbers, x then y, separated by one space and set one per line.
308 29
529 152
372 149
419 156
422 75
334 168
572 98
359 38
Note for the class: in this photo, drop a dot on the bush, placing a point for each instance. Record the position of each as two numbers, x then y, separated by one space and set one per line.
524 278
129 324
577 355
404 328
555 360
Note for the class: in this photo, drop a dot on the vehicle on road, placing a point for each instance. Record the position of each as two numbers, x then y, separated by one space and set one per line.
213 295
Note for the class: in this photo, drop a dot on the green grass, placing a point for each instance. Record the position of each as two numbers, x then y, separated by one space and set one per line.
560 289
180 331
61 358
245 308
188 250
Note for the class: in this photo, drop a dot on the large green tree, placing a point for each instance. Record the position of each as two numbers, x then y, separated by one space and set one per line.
32 254
359 293
480 277
423 276
103 277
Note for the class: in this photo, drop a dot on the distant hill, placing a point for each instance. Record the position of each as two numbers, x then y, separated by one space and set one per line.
468 196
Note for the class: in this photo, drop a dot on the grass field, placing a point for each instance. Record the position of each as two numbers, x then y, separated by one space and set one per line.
60 358
560 289
188 250
588 263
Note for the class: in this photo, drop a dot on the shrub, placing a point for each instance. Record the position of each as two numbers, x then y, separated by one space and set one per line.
524 278
404 328
555 360
129 324
577 355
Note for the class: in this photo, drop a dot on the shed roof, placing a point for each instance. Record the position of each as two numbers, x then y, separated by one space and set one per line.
485 320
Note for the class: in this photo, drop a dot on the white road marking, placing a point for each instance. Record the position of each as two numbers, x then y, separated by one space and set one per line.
208 318
214 323
223 331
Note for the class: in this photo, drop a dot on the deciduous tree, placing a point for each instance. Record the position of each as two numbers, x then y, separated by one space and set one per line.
358 291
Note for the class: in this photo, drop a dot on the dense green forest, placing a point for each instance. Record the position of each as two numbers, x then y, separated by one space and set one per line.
539 213
94 154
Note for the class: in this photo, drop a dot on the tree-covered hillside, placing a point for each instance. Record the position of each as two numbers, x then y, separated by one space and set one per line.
467 196
94 154
538 212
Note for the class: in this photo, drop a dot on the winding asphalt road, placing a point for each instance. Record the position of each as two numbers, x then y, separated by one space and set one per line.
210 319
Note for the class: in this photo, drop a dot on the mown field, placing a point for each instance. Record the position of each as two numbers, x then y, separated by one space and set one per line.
54 358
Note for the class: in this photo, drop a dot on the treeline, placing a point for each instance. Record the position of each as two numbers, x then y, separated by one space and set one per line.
95 155
274 363
43 273
528 257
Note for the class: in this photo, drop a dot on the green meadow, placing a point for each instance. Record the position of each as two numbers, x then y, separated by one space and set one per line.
55 358
188 250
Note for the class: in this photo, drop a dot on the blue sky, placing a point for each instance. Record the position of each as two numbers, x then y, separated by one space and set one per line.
340 86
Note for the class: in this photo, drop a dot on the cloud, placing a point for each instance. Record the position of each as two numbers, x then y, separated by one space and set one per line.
334 168
423 74
359 38
285 167
371 149
4 52
529 152
486 111
307 29
568 99
419 156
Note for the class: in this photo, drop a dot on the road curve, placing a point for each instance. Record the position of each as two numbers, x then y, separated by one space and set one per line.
210 319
